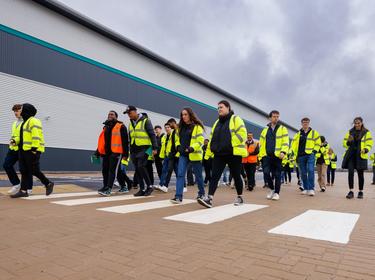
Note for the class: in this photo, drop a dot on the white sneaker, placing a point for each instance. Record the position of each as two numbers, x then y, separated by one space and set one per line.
311 192
185 189
270 194
163 189
275 196
157 187
15 189
304 192
29 192
116 184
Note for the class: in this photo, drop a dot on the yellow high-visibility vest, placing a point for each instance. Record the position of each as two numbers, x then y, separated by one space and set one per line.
312 142
366 143
16 130
138 134
33 135
196 143
282 142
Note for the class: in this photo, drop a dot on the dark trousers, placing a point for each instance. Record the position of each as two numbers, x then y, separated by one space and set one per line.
29 167
150 171
190 175
207 164
330 175
373 174
218 166
140 163
159 166
111 169
272 172
361 179
10 160
297 172
287 174
250 169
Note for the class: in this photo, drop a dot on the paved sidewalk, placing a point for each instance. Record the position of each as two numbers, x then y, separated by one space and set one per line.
41 240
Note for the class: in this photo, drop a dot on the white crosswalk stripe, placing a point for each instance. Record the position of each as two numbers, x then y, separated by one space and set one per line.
123 209
59 195
92 200
215 214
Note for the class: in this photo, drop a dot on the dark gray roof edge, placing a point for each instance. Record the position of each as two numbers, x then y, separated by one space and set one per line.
72 14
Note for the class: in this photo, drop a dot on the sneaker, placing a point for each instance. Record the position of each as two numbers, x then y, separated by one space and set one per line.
238 201
157 187
360 195
323 189
163 189
19 194
299 183
206 202
176 200
200 197
310 192
102 189
29 192
275 196
149 191
185 189
350 195
304 192
123 189
301 188
117 184
270 194
139 193
49 188
107 192
15 189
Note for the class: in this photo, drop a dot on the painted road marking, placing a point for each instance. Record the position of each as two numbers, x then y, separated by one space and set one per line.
123 209
215 214
320 225
59 195
92 200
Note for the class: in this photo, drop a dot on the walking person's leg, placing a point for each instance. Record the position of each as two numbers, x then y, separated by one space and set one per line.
26 169
333 175
234 163
361 182
276 164
303 172
10 160
350 178
329 175
181 173
197 170
40 175
311 173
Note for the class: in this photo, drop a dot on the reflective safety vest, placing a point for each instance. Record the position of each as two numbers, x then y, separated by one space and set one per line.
333 160
125 161
312 142
323 150
168 147
138 134
33 135
250 149
291 161
366 143
16 130
116 141
282 142
196 142
285 161
238 137
164 143
372 158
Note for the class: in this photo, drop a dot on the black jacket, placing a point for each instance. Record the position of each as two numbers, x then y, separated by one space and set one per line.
221 141
354 150
27 112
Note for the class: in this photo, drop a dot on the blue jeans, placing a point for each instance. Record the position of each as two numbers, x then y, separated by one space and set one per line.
164 172
181 173
306 165
9 162
226 175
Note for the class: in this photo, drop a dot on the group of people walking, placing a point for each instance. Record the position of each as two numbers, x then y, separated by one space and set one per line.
183 149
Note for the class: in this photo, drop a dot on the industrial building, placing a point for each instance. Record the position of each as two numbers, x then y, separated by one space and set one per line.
75 70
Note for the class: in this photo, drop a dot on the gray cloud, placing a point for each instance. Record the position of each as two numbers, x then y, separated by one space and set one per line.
305 58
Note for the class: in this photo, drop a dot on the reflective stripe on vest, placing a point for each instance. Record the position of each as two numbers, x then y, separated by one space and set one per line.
139 135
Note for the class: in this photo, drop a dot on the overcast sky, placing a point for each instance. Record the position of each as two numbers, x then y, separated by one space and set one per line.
311 58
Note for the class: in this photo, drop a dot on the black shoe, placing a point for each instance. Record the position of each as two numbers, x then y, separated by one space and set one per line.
373 183
360 195
176 200
350 195
301 189
200 197
103 189
19 194
139 193
135 186
130 186
106 192
49 188
149 191
251 188
206 202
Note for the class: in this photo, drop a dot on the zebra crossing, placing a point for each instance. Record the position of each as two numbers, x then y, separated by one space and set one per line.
312 224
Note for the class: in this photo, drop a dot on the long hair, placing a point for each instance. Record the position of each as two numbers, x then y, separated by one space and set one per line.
361 120
193 118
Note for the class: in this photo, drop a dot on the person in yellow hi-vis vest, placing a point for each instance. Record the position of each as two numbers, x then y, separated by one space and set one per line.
142 145
372 158
358 143
331 170
31 146
322 162
228 146
189 145
12 154
274 146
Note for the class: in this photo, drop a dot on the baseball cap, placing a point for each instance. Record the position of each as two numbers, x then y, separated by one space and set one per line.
130 108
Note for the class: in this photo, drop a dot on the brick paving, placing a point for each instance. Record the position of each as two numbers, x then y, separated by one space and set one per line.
40 240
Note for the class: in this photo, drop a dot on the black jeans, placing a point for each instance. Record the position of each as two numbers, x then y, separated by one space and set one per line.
111 169
250 169
287 174
150 170
373 174
159 165
9 162
218 166
361 179
297 172
272 172
207 164
330 175
140 163
29 166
